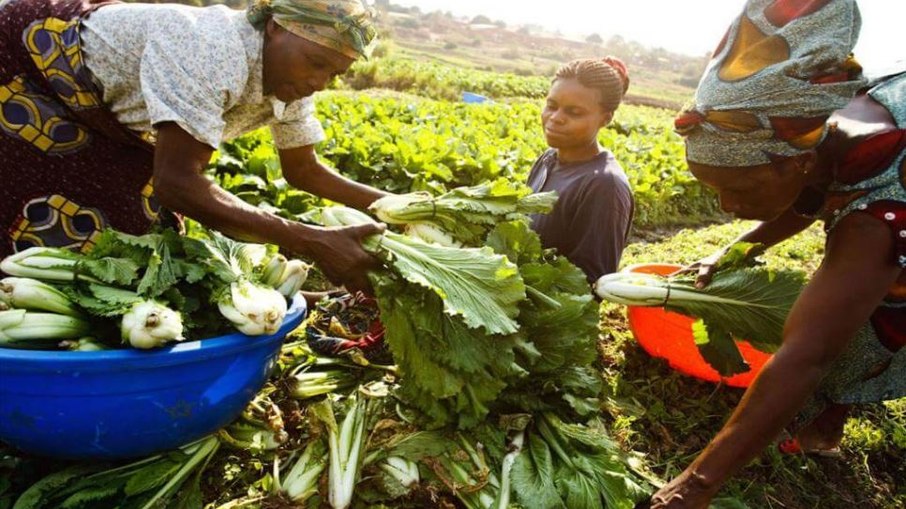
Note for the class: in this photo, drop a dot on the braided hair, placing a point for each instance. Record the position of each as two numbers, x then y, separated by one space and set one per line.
608 74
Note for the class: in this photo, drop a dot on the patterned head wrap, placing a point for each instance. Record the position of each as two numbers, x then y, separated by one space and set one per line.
342 25
782 68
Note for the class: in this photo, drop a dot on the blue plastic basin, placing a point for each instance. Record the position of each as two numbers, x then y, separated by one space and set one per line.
126 403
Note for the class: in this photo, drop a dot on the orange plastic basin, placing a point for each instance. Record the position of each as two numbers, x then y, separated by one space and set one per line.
668 335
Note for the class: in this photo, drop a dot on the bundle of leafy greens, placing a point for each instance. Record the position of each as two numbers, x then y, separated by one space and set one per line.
455 369
460 304
482 287
744 300
465 214
558 330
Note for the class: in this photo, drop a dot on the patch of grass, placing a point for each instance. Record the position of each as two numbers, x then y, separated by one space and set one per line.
685 246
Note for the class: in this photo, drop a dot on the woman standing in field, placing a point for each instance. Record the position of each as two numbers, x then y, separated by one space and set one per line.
787 131
110 111
590 222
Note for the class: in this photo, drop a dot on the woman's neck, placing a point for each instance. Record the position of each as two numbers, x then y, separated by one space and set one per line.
578 154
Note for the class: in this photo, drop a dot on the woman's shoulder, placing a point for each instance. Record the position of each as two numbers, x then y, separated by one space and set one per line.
545 162
890 92
601 176
205 33
214 25
608 171
162 16
547 158
210 41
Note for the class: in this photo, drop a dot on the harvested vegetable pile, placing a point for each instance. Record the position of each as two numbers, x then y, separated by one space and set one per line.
146 290
492 400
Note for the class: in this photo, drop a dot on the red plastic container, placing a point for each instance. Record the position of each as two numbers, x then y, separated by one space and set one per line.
668 336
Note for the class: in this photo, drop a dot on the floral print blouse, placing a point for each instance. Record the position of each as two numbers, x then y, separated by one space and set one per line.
198 67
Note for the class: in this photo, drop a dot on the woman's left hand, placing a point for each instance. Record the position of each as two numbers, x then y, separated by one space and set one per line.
684 492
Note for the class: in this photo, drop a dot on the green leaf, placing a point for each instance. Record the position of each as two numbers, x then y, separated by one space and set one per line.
160 274
150 477
105 301
558 275
537 203
467 213
719 349
119 271
89 497
449 371
225 259
418 445
191 459
590 469
751 304
41 492
564 335
740 255
533 477
483 287
579 490
189 497
516 241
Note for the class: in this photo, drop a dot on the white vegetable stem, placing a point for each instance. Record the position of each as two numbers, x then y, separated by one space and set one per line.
430 233
31 294
302 480
273 271
254 310
294 275
285 276
22 328
404 471
346 454
386 207
503 500
150 324
634 289
45 263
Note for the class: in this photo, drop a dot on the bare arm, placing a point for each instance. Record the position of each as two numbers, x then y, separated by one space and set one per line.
773 232
856 274
768 233
179 184
303 170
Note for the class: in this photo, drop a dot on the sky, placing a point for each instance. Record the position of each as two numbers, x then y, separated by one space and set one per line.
691 27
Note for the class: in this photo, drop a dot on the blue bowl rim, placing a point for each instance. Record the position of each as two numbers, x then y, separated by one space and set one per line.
131 358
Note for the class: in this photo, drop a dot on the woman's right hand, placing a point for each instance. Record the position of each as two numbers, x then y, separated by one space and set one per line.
686 491
705 268
338 252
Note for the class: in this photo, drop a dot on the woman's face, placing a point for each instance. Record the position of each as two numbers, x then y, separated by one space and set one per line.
295 67
762 192
572 114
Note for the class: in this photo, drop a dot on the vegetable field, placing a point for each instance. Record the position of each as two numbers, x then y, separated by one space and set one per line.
403 143
572 413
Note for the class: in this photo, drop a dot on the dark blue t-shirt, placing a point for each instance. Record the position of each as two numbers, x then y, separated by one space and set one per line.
591 220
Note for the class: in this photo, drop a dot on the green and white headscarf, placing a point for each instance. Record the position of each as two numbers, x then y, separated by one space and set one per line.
346 26
782 69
